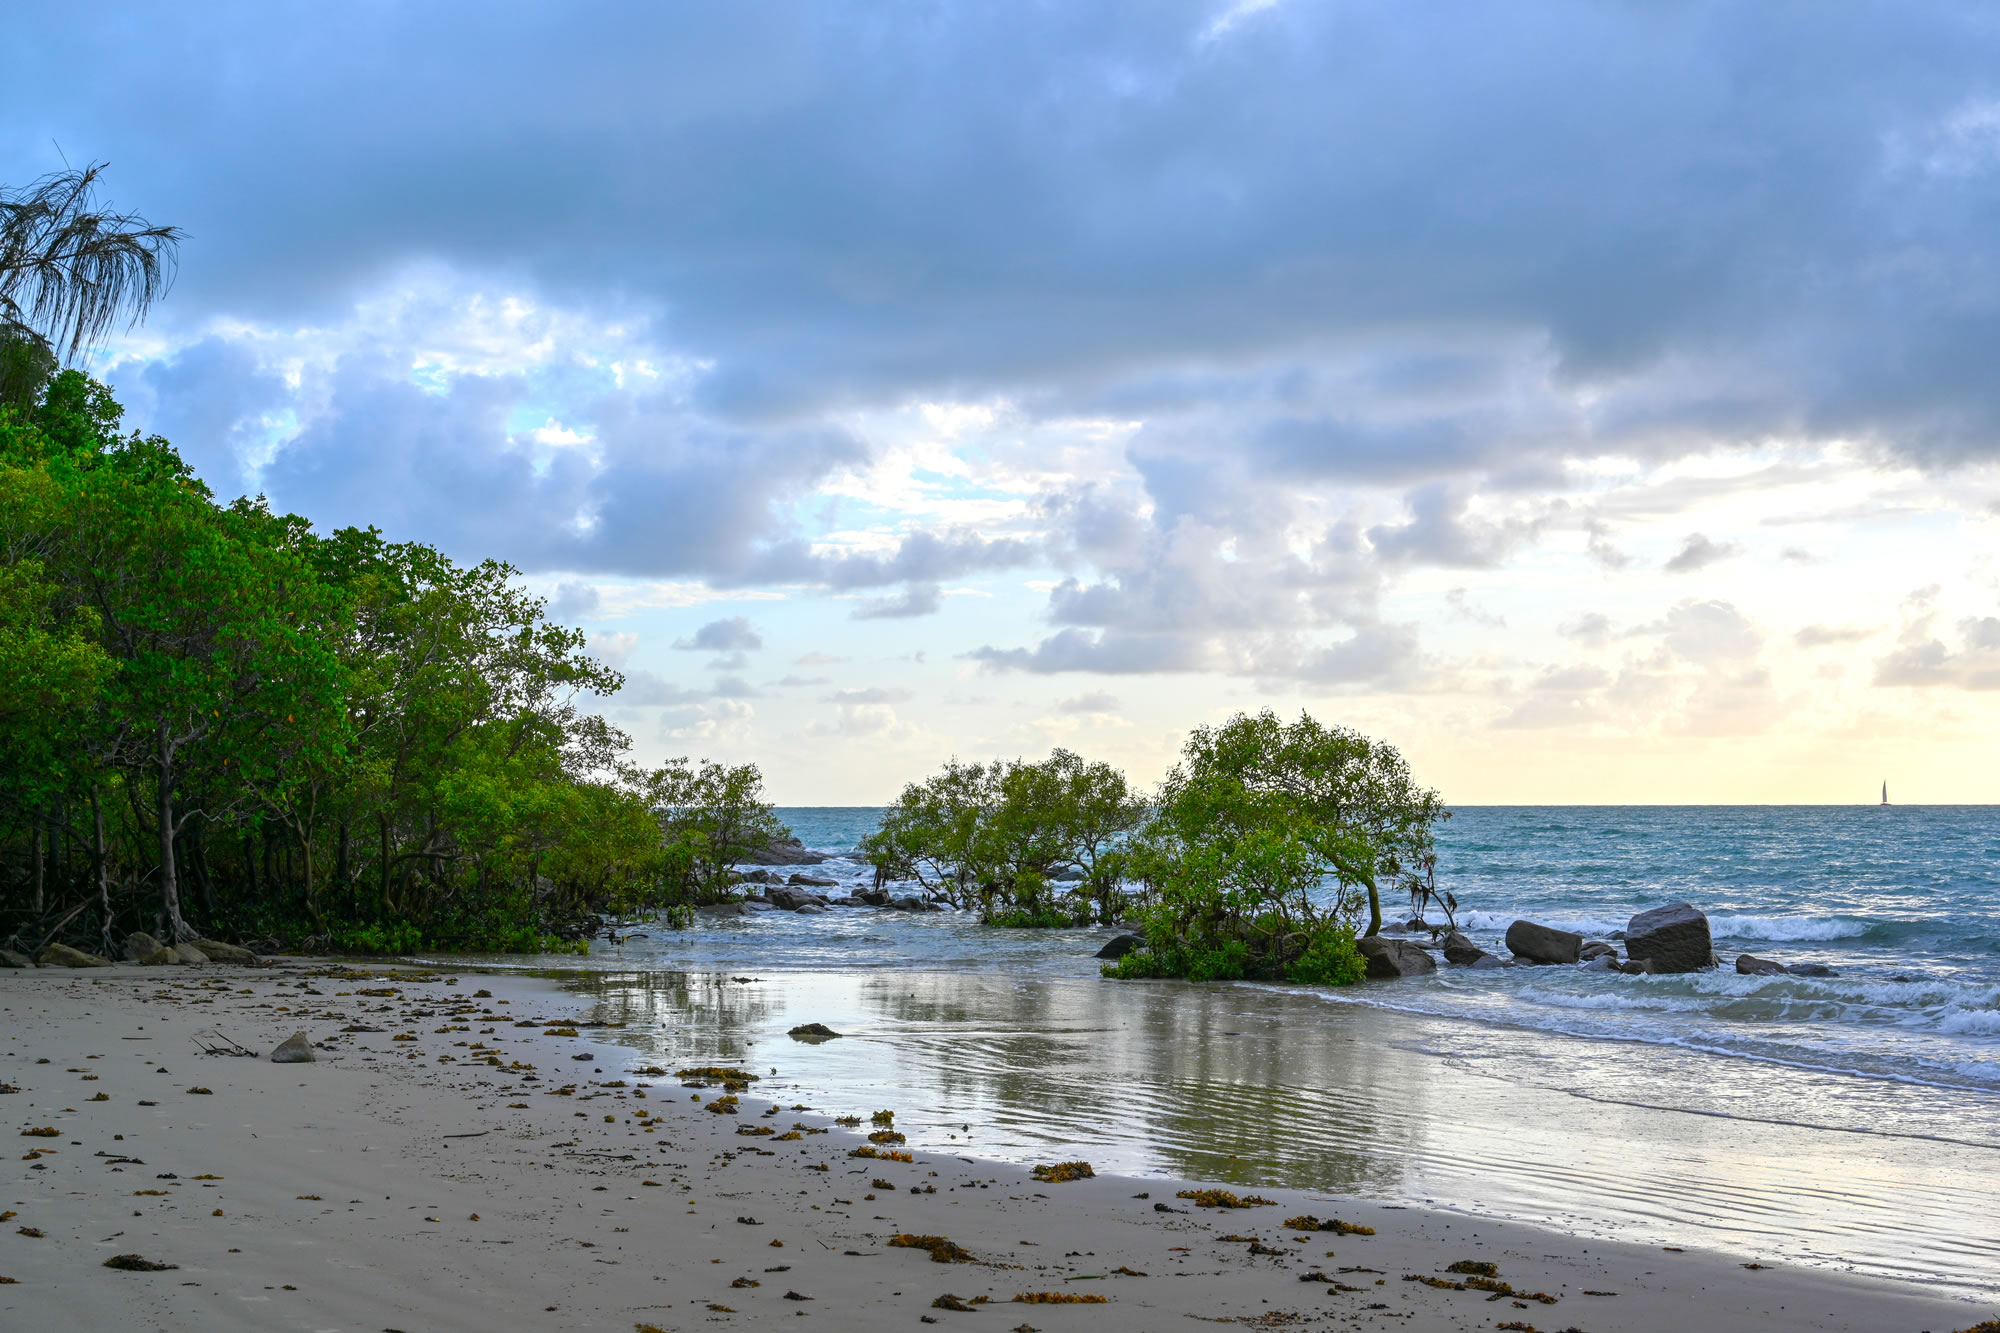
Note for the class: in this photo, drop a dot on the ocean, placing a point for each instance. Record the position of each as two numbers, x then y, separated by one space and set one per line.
1850 1121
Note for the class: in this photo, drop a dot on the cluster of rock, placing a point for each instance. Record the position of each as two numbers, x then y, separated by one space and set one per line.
784 852
1670 939
796 893
139 948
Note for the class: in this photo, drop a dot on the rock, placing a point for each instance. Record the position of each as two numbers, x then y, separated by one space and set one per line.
1632 968
1812 970
814 882
218 952
1458 949
1603 962
139 946
1485 962
1673 938
1543 944
784 852
871 897
1597 949
61 955
723 909
1394 958
790 899
190 955
915 905
1120 945
1752 966
293 1050
810 909
760 877
812 1032
8 958
161 957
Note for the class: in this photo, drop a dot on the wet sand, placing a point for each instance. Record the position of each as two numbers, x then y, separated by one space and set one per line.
477 1174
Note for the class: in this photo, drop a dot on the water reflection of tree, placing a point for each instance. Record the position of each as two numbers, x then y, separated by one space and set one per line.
1219 1082
677 1015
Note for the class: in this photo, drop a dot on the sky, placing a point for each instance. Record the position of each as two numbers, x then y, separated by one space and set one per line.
1598 401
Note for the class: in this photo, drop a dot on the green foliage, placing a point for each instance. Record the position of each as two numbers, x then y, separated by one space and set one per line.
211 713
1026 844
712 817
1266 842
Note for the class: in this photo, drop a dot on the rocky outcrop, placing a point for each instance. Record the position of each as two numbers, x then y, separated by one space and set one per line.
218 952
190 955
1120 945
1752 966
1543 944
139 946
788 899
784 852
1462 952
814 881
1673 938
293 1050
61 955
1394 958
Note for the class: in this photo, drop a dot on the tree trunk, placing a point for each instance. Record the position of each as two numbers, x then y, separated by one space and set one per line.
343 875
97 859
170 889
35 858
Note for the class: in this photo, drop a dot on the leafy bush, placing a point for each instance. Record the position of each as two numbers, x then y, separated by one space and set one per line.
1266 843
1027 844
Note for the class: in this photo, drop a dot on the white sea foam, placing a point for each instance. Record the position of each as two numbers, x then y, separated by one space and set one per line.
1970 1022
1785 927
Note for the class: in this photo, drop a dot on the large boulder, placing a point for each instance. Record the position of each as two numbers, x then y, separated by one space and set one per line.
1752 966
61 955
1812 970
8 958
813 881
190 955
293 1050
1673 938
760 877
810 909
1394 958
161 957
788 899
218 952
784 852
1120 945
723 909
1543 944
1597 949
140 946
871 897
1460 950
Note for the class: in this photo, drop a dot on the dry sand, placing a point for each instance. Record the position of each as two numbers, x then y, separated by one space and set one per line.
412 1186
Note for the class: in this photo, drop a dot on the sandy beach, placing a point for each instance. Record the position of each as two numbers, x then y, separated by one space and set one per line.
452 1160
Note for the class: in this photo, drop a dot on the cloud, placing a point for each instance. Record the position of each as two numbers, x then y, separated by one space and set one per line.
1592 629
818 659
797 682
574 601
1698 552
872 695
1925 661
732 635
917 599
1095 701
1821 636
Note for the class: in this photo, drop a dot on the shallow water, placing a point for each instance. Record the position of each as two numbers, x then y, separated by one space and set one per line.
1851 1121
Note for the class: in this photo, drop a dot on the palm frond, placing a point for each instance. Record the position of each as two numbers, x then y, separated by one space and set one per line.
71 270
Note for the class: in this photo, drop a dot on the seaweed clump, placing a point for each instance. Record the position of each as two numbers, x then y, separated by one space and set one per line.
724 1105
886 1136
1476 1267
1307 1222
882 1154
1060 1298
1224 1199
133 1263
941 1250
1064 1171
754 1131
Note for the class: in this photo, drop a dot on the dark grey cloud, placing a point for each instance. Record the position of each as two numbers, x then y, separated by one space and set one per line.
734 634
844 204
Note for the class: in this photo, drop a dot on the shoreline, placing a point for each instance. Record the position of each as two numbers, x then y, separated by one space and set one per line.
570 1236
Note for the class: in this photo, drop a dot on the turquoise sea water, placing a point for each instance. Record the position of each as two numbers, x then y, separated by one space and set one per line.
1849 1121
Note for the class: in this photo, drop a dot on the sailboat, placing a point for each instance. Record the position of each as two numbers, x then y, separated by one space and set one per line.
1885 793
